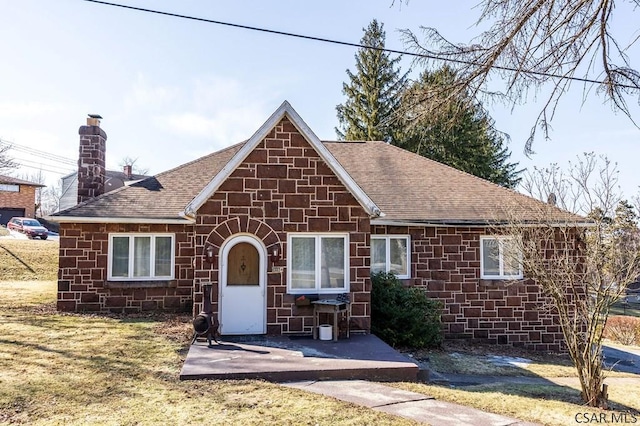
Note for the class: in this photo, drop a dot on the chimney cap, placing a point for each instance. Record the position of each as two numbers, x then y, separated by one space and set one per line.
95 116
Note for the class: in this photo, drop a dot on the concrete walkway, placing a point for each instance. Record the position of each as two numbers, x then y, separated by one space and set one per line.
410 405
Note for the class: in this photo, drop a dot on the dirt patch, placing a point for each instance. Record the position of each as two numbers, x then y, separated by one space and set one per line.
461 357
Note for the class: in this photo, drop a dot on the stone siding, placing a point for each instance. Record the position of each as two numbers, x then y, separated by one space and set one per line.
284 186
82 274
446 262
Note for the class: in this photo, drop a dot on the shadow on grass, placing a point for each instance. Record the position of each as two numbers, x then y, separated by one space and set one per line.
518 381
12 254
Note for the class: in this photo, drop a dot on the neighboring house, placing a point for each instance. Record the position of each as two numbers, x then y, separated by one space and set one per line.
17 198
284 214
113 180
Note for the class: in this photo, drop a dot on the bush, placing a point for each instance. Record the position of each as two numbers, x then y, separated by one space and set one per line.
623 329
403 316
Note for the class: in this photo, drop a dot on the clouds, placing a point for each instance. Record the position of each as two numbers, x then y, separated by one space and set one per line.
211 111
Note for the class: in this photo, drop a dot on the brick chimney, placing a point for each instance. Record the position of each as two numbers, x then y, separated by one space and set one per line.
91 161
128 170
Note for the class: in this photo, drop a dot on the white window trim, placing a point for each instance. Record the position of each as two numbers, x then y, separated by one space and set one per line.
132 236
501 276
318 236
387 238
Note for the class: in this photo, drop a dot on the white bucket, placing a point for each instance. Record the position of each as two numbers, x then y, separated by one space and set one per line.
325 331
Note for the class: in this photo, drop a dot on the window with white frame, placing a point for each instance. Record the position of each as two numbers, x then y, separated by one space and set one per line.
318 263
391 253
500 258
9 187
138 257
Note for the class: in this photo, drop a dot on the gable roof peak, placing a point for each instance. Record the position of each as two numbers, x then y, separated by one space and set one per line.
284 110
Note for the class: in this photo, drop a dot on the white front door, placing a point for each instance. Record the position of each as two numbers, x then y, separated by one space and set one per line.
243 273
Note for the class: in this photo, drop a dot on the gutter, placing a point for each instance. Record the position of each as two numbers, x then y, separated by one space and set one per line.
472 223
137 220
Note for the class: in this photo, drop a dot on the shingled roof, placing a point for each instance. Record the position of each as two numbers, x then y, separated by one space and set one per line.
15 181
158 198
410 188
405 186
392 184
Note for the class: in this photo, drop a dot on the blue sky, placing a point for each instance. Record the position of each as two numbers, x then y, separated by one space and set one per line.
171 90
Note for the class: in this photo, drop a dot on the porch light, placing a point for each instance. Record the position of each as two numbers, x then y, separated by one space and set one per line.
274 255
210 256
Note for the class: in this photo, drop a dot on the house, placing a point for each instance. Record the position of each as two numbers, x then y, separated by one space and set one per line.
285 214
17 198
113 180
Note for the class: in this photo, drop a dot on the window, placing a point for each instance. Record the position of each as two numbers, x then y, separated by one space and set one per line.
500 258
140 257
391 253
318 263
9 187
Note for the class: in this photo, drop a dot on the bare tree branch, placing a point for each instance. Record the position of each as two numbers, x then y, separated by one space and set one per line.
582 270
533 44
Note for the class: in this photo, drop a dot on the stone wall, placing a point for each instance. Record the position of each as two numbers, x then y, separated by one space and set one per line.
284 186
446 262
82 274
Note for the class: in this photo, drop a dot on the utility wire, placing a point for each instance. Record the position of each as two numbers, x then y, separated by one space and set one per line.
346 43
42 168
42 154
56 168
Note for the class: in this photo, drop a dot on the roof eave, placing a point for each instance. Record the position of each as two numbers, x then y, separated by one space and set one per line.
473 223
114 219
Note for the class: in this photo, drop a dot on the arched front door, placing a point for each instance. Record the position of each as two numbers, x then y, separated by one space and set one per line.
243 286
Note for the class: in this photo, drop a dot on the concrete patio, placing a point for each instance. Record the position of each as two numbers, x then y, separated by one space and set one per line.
283 359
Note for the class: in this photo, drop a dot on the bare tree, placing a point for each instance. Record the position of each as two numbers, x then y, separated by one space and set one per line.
536 43
51 198
583 265
6 162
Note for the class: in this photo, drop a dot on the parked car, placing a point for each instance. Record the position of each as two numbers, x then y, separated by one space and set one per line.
31 227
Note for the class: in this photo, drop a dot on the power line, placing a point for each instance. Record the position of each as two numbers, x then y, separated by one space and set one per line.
42 168
42 154
358 45
56 169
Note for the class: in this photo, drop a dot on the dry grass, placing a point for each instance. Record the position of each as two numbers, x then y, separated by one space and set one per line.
462 357
545 404
28 260
83 369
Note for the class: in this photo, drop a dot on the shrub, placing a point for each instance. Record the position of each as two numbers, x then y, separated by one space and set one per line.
403 316
623 329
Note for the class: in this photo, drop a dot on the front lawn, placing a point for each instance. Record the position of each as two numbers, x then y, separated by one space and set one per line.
85 369
28 259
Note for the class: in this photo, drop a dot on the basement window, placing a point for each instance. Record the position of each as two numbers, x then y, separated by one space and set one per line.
139 257
501 259
391 253
318 263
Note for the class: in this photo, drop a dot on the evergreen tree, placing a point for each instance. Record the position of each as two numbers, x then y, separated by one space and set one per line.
454 130
372 92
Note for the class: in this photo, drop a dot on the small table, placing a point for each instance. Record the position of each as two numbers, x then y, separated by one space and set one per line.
331 306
